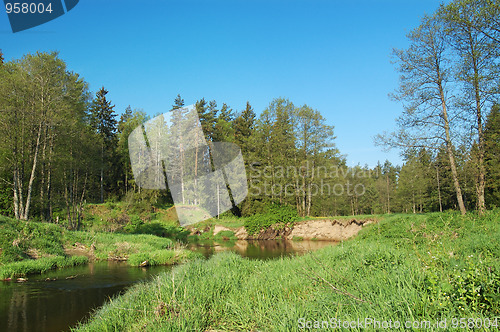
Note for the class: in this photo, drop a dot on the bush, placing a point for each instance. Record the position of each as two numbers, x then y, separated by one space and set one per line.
136 226
276 215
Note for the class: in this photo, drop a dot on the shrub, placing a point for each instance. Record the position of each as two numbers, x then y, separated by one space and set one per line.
276 215
136 226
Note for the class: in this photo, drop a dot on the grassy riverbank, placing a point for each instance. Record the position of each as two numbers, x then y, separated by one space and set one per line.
405 268
35 247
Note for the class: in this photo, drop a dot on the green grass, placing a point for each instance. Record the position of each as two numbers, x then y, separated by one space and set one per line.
36 247
228 221
20 239
405 268
116 246
225 235
161 257
39 266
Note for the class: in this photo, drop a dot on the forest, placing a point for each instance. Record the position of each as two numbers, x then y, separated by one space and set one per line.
64 146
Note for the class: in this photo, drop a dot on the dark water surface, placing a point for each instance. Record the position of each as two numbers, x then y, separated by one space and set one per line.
261 249
39 305
57 305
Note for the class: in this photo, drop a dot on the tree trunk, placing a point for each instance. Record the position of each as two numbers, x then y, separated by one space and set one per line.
16 198
480 182
439 190
32 176
449 150
388 196
102 172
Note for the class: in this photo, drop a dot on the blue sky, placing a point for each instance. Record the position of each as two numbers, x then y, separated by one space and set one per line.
332 55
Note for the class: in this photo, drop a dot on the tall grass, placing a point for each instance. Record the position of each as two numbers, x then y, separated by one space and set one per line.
118 246
161 257
18 239
406 268
35 247
39 266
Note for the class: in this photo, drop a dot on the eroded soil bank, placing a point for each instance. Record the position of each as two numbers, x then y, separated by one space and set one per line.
320 229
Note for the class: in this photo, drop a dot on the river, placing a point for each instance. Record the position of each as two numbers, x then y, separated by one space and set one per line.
59 299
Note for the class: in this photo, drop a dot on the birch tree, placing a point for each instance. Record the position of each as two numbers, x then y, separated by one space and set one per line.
425 91
476 69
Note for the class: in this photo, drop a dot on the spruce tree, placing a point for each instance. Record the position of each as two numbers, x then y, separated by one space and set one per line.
492 157
103 121
243 126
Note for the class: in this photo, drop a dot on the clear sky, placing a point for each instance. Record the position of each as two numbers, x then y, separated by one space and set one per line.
332 55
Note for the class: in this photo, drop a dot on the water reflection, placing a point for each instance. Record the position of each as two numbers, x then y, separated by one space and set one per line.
40 305
260 249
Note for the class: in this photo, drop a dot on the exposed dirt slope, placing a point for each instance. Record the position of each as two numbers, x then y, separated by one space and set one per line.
322 229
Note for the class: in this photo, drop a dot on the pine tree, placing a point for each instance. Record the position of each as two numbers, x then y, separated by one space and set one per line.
104 123
208 117
492 157
178 102
223 130
243 126
175 167
124 118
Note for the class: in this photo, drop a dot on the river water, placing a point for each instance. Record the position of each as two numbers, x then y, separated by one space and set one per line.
59 299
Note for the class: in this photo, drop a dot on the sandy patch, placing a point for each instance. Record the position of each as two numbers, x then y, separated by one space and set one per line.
326 229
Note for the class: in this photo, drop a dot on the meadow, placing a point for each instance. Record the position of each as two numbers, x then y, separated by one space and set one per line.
406 268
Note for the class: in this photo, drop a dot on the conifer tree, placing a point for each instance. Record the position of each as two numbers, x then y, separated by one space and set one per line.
492 157
104 123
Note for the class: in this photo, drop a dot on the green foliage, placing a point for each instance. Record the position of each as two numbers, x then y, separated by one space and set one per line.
137 226
5 201
492 157
276 215
279 147
475 287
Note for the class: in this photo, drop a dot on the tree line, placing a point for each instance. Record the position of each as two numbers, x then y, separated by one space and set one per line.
63 147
